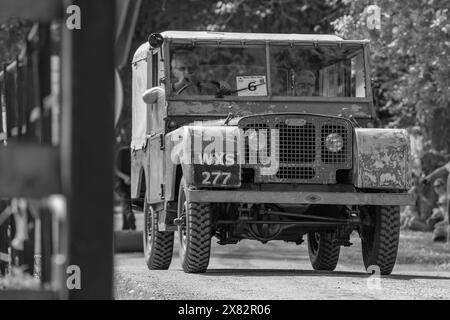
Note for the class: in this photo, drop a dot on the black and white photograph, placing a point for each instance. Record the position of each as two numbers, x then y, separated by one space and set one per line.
219 157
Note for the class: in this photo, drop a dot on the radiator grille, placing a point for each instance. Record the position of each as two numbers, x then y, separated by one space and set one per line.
297 144
302 153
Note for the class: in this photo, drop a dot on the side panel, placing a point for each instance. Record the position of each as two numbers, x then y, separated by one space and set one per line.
171 168
156 171
139 124
138 106
176 146
138 165
382 159
147 121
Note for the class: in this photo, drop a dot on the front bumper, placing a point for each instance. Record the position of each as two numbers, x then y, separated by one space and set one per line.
292 197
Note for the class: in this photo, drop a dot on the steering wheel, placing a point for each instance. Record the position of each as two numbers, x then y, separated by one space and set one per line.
199 83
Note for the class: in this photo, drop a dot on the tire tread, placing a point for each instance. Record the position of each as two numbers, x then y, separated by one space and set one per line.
327 255
386 240
199 242
159 255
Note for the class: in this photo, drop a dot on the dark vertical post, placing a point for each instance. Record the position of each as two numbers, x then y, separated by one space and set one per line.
20 95
8 104
44 81
46 242
1 108
87 145
31 89
14 114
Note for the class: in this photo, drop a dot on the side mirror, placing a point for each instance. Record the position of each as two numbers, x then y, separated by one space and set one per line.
152 95
155 40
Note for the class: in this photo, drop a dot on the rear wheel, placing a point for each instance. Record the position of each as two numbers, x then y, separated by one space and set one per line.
323 254
380 234
158 246
194 233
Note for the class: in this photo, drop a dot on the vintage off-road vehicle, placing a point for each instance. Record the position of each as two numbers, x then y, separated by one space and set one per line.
264 137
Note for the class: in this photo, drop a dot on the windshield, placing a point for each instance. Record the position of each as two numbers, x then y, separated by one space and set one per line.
308 71
324 71
213 70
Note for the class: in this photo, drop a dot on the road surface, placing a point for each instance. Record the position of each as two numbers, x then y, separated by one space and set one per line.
279 271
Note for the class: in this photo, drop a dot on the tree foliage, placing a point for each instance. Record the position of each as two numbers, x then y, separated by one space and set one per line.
284 16
410 61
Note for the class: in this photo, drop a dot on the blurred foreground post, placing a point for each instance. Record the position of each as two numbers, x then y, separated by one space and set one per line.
87 145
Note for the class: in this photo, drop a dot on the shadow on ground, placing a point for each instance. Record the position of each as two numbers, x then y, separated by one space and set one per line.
310 273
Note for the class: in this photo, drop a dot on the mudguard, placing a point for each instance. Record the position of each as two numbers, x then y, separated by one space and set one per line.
203 150
382 159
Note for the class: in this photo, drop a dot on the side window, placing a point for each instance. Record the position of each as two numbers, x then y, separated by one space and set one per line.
335 80
157 109
358 84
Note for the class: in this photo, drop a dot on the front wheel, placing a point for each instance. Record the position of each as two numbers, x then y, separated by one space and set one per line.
380 234
323 253
194 233
158 246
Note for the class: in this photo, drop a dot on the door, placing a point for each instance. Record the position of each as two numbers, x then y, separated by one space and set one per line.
156 137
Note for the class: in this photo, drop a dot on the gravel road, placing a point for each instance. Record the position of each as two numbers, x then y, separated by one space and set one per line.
279 270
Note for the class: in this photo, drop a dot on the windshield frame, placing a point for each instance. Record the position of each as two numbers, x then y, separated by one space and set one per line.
267 44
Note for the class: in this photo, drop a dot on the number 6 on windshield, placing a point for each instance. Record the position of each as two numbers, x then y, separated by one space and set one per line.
252 86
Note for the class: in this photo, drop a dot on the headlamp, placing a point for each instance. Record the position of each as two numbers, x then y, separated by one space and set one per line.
334 142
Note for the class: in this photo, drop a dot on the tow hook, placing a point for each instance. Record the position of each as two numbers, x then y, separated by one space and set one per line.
179 221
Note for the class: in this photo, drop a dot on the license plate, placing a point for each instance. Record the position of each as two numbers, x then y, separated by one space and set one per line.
217 176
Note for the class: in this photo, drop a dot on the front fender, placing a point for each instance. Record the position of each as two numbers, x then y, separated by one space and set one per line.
203 148
382 159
